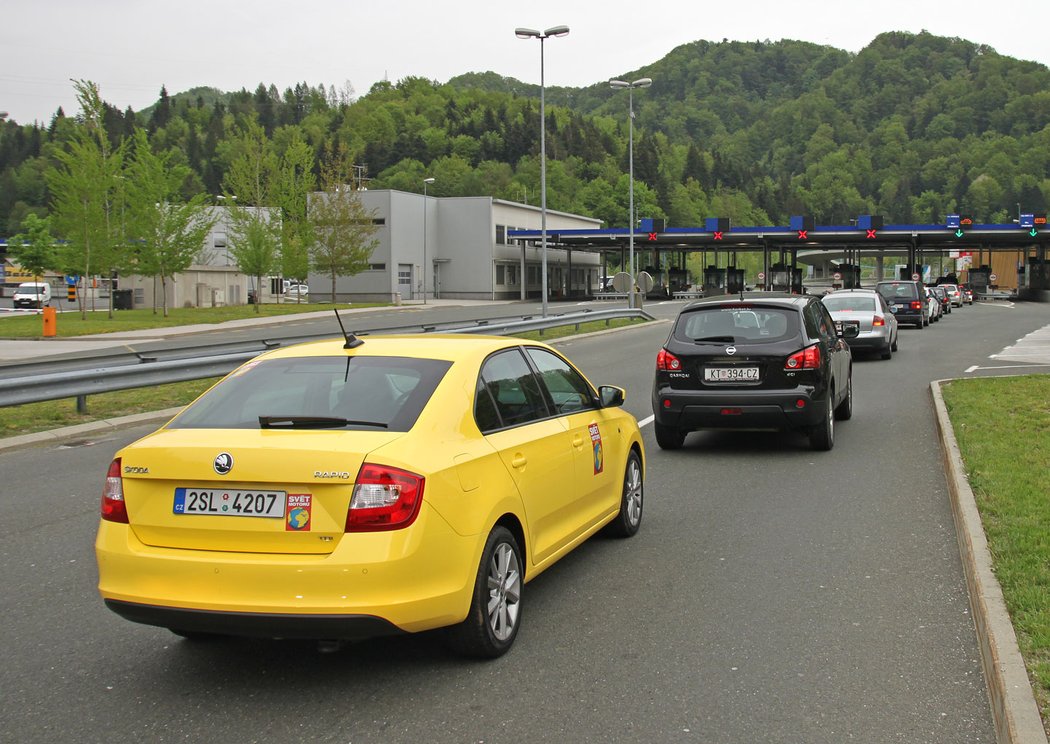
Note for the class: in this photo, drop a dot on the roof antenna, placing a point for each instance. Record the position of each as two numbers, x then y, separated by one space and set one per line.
352 341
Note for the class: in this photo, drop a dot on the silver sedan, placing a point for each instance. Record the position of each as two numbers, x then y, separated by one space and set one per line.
869 311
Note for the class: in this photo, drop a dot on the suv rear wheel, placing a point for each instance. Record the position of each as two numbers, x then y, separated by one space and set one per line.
668 437
822 436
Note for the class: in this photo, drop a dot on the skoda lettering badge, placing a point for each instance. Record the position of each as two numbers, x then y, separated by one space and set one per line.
730 350
223 463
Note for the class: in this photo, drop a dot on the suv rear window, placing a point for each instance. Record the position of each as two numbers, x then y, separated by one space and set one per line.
737 324
898 291
387 392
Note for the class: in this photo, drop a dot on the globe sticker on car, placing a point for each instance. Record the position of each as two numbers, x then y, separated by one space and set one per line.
297 514
596 441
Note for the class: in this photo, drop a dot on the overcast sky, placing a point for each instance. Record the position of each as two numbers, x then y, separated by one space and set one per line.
132 48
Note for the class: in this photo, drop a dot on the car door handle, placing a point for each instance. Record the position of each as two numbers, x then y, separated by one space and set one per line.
519 461
577 441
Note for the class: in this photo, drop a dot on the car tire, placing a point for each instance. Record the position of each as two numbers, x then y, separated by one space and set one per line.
668 437
844 410
887 352
822 436
632 498
495 608
895 339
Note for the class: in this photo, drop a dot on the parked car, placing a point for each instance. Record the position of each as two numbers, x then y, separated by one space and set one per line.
336 490
954 294
296 292
907 300
759 361
942 296
32 294
868 310
935 307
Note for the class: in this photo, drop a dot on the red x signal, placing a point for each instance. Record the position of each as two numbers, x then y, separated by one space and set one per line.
802 235
652 236
871 234
718 234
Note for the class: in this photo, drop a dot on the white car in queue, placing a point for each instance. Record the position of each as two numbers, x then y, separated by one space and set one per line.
871 313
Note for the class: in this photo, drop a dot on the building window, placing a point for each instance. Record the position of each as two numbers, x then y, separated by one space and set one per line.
501 234
377 267
379 221
534 275
501 275
512 275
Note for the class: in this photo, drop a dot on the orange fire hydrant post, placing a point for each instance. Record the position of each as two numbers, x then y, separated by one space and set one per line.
50 322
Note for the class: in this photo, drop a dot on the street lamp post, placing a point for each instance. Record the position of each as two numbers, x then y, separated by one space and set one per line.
426 181
632 300
528 33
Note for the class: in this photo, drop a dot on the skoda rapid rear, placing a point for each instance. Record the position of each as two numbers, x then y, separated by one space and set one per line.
753 362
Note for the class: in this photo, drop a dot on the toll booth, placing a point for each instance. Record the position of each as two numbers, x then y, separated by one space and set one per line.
850 276
1034 275
734 280
677 280
786 278
714 281
980 278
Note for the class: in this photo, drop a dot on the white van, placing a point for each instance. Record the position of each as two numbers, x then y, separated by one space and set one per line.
33 294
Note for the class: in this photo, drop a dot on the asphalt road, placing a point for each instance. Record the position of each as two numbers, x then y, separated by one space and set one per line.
774 594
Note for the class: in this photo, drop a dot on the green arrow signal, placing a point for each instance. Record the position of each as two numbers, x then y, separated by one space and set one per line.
959 233
1033 232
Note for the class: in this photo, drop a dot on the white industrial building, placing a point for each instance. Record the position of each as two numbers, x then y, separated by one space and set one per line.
457 248
212 280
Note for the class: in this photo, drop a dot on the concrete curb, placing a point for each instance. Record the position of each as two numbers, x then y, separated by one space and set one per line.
1014 710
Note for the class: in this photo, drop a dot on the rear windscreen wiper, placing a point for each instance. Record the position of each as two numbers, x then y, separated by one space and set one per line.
312 422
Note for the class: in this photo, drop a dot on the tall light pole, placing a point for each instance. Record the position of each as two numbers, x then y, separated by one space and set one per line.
632 300
426 181
528 33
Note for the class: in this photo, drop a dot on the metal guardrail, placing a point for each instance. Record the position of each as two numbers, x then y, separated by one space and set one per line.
36 382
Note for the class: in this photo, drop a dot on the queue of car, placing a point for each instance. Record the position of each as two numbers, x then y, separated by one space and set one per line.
341 490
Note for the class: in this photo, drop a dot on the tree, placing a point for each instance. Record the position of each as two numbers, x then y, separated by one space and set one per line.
34 249
87 196
344 229
251 185
295 181
165 232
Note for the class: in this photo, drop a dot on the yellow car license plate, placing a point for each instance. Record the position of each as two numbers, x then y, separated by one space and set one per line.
230 503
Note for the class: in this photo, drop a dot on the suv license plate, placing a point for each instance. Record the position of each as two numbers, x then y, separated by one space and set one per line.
229 503
731 374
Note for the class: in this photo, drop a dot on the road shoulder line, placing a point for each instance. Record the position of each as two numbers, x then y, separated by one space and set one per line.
1014 710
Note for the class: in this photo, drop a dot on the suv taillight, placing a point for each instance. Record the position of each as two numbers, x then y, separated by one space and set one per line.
384 498
114 508
808 358
916 305
667 362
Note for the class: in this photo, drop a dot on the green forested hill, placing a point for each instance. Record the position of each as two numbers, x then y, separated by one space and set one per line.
912 127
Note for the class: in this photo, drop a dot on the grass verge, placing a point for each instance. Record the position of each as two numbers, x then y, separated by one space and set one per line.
54 414
69 324
1003 429
34 417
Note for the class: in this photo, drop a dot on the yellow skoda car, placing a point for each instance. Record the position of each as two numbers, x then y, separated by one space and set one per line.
337 490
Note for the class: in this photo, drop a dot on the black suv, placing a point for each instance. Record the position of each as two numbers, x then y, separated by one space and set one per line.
907 300
754 361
